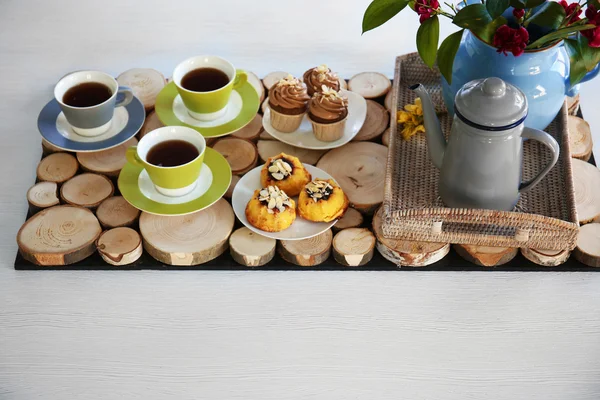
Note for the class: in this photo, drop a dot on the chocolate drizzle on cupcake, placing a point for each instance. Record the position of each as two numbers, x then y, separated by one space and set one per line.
281 169
316 78
319 190
289 96
328 106
275 199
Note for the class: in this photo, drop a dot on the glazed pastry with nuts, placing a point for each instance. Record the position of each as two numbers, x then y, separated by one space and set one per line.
322 200
286 172
328 111
271 210
288 102
317 77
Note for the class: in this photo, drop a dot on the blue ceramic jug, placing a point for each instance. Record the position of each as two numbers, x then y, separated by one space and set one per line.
543 75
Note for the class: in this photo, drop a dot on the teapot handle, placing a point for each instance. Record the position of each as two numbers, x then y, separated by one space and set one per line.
551 144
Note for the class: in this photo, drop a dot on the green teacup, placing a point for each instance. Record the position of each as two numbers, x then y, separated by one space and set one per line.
170 181
212 104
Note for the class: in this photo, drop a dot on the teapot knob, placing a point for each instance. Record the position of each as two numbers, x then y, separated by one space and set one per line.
494 87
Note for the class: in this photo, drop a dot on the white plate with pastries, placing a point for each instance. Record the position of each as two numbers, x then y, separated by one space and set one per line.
304 138
299 229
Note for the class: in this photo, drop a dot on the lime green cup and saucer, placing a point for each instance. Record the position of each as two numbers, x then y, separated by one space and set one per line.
173 189
209 95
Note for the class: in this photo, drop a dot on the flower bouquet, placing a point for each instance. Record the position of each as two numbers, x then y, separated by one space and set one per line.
511 26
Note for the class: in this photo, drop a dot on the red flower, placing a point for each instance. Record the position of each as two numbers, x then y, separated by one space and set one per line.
426 9
592 35
519 13
571 9
507 39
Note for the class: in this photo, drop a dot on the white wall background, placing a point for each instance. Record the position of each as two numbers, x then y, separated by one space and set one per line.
257 335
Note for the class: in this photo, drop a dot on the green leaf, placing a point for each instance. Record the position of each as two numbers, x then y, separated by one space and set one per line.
534 3
428 37
380 11
589 55
487 34
497 7
518 4
594 3
559 34
550 15
447 52
474 17
577 66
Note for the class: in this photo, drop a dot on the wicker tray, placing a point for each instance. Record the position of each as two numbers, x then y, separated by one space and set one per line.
545 217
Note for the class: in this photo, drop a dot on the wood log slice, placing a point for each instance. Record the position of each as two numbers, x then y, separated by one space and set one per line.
369 85
343 83
151 123
378 119
59 235
57 167
271 148
116 212
145 83
586 182
120 246
42 195
48 148
272 78
234 181
241 154
546 258
251 249
107 162
251 131
573 104
265 105
385 139
256 83
87 190
387 102
264 135
306 252
486 256
405 252
353 247
191 239
580 138
588 245
359 168
351 219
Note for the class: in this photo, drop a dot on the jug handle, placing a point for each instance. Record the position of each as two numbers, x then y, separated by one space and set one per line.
551 144
573 90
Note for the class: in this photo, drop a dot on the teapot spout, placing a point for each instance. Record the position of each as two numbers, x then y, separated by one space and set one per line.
436 142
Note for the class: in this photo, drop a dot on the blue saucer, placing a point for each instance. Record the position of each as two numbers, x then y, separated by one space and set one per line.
126 122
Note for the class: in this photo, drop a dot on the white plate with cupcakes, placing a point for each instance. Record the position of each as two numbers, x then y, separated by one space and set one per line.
287 200
312 117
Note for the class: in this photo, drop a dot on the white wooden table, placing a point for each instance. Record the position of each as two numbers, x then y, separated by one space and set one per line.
260 335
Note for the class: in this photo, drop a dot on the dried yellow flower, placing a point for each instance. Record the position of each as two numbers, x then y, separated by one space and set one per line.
411 119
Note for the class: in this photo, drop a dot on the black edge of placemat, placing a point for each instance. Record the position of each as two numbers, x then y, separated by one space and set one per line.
451 262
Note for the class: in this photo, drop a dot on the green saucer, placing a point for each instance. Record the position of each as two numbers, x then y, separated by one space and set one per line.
241 109
137 188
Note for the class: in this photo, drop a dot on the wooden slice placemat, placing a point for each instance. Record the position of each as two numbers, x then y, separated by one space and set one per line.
59 235
120 246
115 212
87 190
57 167
241 154
359 168
191 239
306 252
107 162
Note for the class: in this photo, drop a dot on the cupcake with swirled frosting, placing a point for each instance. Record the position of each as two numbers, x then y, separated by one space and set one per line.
316 77
328 111
288 102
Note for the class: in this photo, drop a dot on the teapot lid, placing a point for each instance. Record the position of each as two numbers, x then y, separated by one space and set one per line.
491 104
